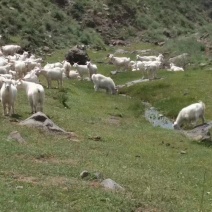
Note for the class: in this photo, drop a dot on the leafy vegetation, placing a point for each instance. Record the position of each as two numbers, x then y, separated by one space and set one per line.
61 23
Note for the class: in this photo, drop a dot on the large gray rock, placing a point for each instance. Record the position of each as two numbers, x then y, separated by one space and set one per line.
77 54
40 120
200 133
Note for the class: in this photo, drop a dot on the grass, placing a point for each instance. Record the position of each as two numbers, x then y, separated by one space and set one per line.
43 174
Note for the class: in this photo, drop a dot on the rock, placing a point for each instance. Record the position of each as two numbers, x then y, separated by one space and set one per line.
77 54
84 174
112 185
200 133
183 152
120 51
15 136
40 120
118 43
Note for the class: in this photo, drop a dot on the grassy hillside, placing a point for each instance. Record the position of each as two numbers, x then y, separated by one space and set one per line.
43 174
61 23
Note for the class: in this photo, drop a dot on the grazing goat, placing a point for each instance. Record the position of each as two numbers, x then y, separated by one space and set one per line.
35 94
82 70
8 96
190 113
103 82
53 74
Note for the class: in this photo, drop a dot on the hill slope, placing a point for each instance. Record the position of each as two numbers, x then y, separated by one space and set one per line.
58 23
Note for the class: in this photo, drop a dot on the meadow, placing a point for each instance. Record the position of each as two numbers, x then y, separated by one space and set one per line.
147 161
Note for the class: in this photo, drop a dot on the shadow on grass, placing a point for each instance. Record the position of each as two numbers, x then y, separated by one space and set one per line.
16 116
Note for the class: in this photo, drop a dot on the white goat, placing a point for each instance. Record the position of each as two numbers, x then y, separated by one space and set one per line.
73 75
175 68
103 82
152 68
190 113
8 96
149 58
82 70
92 68
21 68
53 74
53 65
7 76
10 49
32 76
120 62
5 69
35 94
3 61
67 68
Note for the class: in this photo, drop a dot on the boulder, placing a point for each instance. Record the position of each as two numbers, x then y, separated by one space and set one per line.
77 54
41 121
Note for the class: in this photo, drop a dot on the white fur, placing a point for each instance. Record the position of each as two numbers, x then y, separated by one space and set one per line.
103 82
82 70
149 58
10 49
190 113
53 74
35 94
32 76
175 68
120 62
92 68
8 96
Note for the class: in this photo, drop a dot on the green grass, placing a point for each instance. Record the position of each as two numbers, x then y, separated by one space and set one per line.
43 174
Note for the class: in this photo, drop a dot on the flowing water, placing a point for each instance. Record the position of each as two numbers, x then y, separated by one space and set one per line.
157 119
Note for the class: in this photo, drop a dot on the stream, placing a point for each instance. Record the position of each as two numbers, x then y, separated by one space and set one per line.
157 119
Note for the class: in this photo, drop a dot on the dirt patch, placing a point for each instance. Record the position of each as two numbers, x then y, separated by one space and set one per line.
30 179
146 209
56 181
47 181
56 161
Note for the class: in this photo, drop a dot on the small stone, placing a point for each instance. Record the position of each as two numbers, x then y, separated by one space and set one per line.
183 152
110 184
19 187
15 136
84 174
